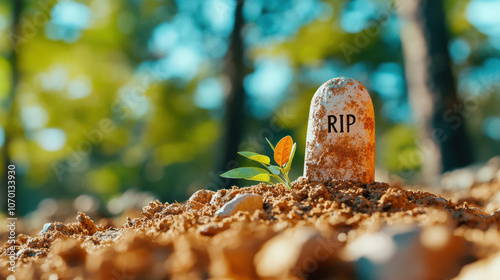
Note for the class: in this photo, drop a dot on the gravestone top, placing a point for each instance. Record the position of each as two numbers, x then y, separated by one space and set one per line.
341 133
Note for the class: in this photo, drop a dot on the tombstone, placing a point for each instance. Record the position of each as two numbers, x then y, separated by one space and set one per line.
341 133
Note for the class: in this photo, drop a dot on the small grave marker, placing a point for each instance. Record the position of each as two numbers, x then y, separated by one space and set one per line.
341 133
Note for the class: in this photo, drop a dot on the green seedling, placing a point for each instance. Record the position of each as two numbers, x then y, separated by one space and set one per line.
283 156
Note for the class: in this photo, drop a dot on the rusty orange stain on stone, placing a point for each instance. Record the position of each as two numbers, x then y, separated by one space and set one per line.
341 133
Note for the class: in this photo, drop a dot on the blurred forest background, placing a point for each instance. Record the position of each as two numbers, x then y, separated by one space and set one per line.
115 103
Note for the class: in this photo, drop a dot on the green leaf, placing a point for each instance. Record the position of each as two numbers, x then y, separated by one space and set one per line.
272 147
256 157
275 169
289 163
248 173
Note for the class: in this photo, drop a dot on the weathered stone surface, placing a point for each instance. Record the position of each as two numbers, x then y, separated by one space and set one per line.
341 133
242 202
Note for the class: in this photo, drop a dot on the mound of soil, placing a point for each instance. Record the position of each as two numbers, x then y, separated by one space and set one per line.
338 230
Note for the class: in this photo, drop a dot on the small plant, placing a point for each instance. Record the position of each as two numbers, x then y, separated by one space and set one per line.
283 155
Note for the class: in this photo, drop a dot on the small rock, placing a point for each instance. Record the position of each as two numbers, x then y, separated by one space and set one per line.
202 196
46 228
242 202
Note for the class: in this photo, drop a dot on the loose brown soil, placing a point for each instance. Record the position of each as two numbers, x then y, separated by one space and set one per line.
338 230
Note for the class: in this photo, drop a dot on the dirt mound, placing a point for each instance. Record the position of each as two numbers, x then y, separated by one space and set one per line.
338 230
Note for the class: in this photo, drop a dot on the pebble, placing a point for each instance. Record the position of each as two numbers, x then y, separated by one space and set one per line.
242 202
341 133
46 228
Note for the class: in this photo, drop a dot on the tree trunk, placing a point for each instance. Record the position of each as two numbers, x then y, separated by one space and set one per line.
432 91
17 7
234 119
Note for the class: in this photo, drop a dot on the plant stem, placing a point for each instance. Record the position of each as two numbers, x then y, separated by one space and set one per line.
287 180
280 180
277 177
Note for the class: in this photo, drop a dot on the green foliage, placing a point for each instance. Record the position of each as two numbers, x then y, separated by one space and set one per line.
284 153
400 149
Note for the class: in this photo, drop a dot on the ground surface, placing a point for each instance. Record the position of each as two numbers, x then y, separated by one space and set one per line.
338 230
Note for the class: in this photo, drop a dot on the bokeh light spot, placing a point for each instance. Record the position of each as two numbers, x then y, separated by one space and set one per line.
51 139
